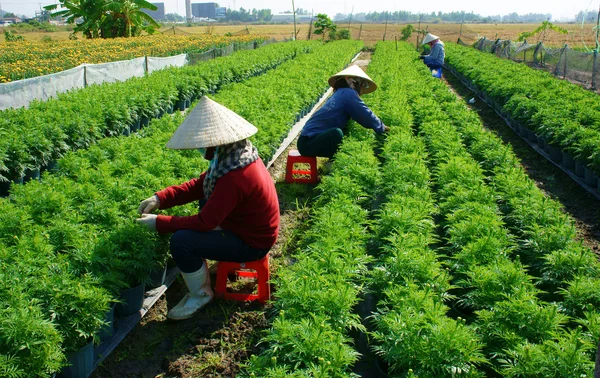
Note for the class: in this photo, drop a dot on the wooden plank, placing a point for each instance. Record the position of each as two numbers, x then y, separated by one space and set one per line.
122 327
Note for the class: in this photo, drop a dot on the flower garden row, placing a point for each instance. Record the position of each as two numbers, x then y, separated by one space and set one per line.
69 244
524 281
563 118
78 119
30 59
522 290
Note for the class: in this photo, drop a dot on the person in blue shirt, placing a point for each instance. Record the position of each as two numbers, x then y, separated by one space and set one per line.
435 59
323 132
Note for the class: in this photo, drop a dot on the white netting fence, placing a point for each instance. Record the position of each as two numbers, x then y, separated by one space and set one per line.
20 93
576 66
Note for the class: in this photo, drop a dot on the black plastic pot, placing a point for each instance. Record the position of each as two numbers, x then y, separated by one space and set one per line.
157 277
106 332
51 166
170 109
31 174
4 188
531 136
135 126
81 363
132 301
568 161
579 168
381 368
144 121
546 144
523 131
126 131
590 177
180 105
555 153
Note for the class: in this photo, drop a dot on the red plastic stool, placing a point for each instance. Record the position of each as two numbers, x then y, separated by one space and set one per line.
260 272
294 157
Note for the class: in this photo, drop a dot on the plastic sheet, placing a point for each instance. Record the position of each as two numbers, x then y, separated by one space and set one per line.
114 71
20 93
155 64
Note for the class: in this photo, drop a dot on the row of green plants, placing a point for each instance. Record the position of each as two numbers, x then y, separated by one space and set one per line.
413 334
69 245
564 114
316 295
77 119
523 332
296 84
82 216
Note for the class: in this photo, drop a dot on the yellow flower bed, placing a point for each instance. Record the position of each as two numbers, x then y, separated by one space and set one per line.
21 60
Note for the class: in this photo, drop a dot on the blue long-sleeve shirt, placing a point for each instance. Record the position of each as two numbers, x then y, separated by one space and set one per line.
337 110
436 56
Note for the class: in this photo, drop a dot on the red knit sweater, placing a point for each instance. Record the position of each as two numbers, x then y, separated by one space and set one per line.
243 201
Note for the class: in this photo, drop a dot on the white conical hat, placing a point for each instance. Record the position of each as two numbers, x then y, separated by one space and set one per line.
357 72
210 124
430 37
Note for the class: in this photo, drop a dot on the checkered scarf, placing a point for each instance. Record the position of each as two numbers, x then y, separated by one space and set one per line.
228 157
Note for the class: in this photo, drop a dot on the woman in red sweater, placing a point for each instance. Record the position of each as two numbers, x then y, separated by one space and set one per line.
240 218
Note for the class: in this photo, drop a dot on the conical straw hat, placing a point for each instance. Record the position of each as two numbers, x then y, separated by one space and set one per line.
430 37
357 72
210 124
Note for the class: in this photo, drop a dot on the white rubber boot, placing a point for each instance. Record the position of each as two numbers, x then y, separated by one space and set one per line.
198 283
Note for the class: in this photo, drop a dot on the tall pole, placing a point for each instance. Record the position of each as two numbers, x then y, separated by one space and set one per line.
418 32
294 9
350 20
595 52
188 11
360 31
385 29
460 33
310 26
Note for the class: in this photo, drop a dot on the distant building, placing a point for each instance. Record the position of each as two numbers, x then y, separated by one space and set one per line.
204 10
289 17
220 12
10 20
158 14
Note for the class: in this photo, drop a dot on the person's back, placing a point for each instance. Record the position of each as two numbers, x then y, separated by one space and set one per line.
436 56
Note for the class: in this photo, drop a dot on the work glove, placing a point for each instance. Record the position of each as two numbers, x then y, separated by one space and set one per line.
149 205
421 57
149 220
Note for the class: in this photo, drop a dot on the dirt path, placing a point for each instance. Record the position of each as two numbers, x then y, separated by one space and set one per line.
578 203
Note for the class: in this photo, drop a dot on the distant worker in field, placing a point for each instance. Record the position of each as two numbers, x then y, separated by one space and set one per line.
239 216
435 59
323 132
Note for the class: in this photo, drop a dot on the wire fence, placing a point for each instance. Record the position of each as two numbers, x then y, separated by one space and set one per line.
576 66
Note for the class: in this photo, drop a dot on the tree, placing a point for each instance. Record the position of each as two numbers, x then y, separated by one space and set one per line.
107 18
541 31
126 18
407 32
9 15
174 17
324 23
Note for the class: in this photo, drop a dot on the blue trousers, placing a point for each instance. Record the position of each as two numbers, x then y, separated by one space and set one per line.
188 248
325 144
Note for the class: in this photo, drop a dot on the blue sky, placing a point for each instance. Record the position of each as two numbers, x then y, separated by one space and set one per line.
558 9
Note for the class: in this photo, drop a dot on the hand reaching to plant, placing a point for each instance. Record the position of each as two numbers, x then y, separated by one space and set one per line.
386 129
149 205
149 220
